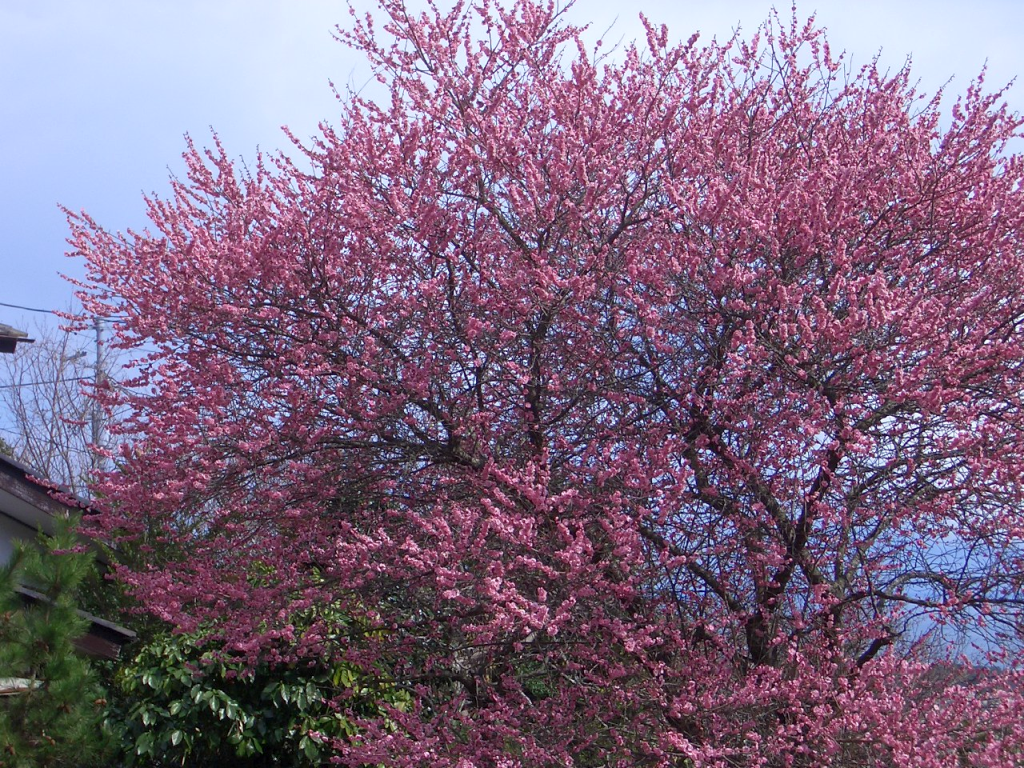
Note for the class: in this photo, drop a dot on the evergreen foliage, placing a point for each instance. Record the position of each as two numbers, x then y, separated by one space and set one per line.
54 718
183 701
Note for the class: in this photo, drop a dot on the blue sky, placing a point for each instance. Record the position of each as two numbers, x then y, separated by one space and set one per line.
97 94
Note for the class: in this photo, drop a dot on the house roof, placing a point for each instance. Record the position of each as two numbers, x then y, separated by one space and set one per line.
12 686
10 336
28 500
32 507
104 638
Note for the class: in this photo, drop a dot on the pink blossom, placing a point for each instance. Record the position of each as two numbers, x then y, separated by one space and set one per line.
627 411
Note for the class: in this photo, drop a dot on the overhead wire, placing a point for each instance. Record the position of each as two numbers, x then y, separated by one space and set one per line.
39 383
27 309
55 312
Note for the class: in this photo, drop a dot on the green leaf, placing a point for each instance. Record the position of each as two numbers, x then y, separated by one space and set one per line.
144 745
309 748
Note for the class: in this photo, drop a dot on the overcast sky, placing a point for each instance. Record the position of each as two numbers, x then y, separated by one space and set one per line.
96 95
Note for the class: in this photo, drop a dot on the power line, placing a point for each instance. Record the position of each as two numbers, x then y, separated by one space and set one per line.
27 309
51 381
50 441
55 312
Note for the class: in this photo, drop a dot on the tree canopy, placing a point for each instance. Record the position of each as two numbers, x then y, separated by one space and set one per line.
657 407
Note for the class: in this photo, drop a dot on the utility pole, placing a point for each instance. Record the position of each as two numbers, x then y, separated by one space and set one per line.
99 377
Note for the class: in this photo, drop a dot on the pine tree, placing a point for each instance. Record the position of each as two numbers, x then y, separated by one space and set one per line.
53 717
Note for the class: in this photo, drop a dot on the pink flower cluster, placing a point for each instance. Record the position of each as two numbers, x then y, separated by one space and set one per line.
657 409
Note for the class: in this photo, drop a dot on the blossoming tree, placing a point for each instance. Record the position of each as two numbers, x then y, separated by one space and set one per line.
661 408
